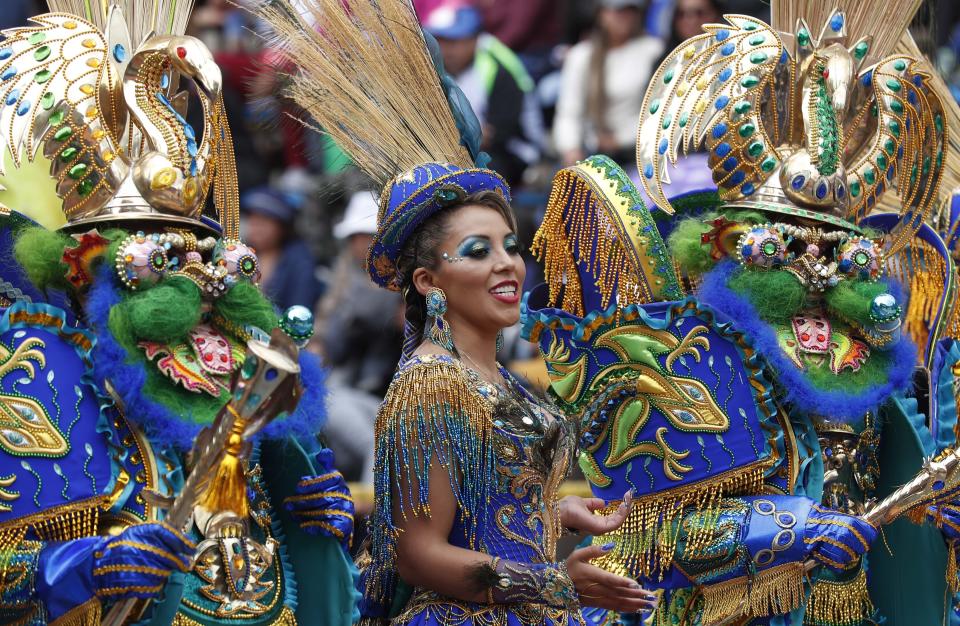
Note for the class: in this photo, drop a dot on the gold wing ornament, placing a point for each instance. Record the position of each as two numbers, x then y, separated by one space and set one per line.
92 118
708 92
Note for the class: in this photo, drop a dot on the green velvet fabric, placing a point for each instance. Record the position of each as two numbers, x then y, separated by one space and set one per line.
909 587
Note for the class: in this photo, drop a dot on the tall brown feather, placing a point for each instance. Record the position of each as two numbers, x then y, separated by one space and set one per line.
364 75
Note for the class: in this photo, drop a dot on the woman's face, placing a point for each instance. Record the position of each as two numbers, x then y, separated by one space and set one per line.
690 16
483 272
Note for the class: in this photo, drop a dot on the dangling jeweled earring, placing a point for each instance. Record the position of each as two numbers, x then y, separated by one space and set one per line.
438 331
499 341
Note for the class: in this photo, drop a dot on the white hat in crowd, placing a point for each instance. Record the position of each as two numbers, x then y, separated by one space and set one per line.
360 218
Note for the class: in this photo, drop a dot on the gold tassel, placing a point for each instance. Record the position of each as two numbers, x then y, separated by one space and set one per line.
774 591
953 583
646 543
227 490
839 603
87 614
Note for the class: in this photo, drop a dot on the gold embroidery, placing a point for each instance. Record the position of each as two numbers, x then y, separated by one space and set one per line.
286 618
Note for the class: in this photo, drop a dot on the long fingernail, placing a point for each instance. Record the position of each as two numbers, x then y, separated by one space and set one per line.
607 547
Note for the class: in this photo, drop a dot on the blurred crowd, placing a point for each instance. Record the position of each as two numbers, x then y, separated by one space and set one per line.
551 81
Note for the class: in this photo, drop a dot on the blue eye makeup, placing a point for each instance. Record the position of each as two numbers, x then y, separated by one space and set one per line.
511 243
474 248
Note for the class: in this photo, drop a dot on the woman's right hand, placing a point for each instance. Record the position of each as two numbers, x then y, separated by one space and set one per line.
599 588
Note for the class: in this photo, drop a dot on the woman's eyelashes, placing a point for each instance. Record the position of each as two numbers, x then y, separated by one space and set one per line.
512 245
474 248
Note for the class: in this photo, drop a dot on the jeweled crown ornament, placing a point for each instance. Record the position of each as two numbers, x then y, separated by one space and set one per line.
811 117
94 121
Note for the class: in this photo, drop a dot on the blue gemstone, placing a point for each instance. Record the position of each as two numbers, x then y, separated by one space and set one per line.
746 251
836 22
845 265
938 485
784 57
879 189
664 144
722 102
722 34
821 190
165 81
648 170
797 182
298 320
722 149
885 307
730 164
737 177
270 374
119 53
725 75
871 201
13 97
912 98
8 73
727 49
867 79
841 191
918 80
891 172
747 189
5 53
24 108
719 130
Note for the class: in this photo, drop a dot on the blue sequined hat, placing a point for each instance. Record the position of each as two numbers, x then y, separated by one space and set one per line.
411 198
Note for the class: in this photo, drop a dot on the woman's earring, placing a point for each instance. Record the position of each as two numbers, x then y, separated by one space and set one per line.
438 329
499 341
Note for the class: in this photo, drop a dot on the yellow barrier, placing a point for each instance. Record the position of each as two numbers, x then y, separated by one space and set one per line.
363 493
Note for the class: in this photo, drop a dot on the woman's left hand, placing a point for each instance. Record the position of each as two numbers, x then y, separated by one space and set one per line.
323 504
579 514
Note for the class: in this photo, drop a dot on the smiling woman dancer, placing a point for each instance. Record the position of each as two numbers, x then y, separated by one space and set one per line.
468 463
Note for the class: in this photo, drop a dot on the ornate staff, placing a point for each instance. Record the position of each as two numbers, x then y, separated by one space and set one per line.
265 387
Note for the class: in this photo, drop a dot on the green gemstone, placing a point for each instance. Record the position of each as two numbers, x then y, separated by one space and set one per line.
749 26
57 117
889 146
746 130
63 134
742 107
768 164
769 248
249 367
899 65
756 40
913 175
938 122
85 186
42 53
68 154
667 77
47 100
860 50
896 106
683 119
926 166
757 58
893 84
861 258
666 121
749 81
77 171
36 38
881 161
42 76
870 176
755 149
654 106
873 109
894 127
855 188
803 37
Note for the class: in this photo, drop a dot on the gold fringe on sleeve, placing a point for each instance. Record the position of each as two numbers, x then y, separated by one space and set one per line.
774 591
87 614
840 603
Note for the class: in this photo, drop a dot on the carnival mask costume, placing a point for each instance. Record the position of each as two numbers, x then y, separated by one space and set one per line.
366 77
139 358
746 363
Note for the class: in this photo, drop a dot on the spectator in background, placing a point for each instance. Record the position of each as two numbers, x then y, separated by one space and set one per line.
530 28
359 326
604 79
497 85
689 16
286 264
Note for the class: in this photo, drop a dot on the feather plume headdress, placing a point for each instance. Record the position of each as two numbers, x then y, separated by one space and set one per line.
366 76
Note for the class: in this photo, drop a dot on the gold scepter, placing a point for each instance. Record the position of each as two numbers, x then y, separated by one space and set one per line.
266 386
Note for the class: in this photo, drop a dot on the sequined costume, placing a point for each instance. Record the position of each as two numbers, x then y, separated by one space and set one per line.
103 188
505 463
747 365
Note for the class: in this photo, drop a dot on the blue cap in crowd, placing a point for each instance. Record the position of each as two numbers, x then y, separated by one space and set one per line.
269 203
453 22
